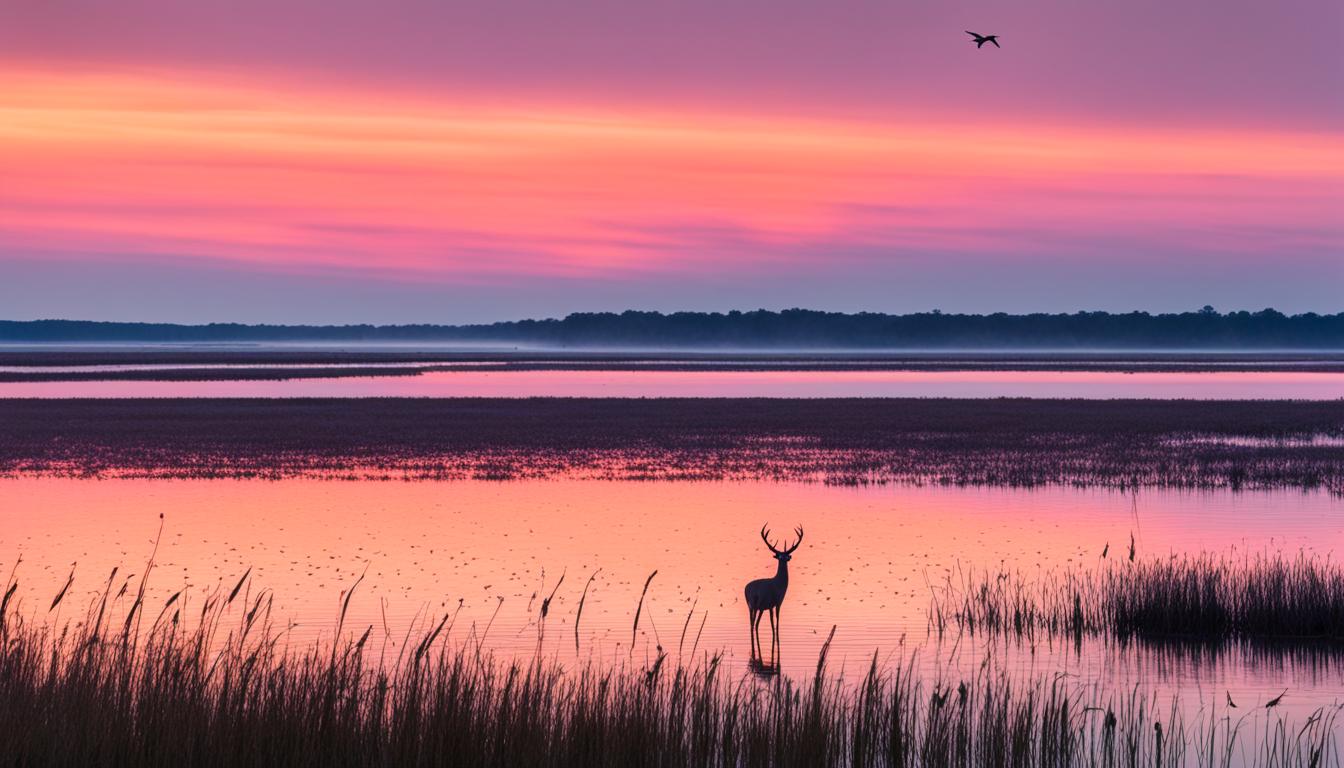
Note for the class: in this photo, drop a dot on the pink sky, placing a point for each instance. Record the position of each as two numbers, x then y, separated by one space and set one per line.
451 162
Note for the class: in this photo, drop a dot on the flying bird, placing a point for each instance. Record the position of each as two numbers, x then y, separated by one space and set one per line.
980 40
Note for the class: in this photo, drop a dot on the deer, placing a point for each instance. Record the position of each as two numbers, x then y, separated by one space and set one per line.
766 595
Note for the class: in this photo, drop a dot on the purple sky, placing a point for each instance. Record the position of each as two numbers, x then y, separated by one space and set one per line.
449 161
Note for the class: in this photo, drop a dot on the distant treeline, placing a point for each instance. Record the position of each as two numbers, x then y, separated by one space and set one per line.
792 328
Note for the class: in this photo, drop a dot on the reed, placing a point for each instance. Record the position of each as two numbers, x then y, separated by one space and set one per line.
1265 597
222 685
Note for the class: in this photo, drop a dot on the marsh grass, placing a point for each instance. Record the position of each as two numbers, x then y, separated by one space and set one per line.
221 684
1010 442
1259 598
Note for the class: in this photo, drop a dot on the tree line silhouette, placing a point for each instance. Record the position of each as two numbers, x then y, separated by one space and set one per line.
791 328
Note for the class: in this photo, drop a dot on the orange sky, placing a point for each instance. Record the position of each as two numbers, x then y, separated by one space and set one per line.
260 191
242 173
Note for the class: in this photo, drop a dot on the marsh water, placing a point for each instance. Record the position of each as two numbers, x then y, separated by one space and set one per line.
465 382
490 552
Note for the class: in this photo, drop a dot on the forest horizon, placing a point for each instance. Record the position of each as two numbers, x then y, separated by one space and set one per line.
791 328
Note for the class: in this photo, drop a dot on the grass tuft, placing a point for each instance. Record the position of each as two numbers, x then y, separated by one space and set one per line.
229 689
1204 598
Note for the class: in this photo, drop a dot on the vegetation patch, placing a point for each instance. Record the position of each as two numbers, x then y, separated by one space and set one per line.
1263 598
1005 442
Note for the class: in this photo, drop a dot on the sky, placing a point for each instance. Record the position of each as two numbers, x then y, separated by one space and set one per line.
447 162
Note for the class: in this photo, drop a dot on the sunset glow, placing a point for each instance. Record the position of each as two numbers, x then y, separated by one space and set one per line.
161 160
676 382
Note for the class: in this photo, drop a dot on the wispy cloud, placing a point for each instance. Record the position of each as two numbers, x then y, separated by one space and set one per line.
263 178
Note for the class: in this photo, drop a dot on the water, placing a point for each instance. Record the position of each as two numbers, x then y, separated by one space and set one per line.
170 367
868 563
1293 385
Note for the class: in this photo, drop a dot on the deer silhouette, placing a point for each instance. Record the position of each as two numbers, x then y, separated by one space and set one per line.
766 595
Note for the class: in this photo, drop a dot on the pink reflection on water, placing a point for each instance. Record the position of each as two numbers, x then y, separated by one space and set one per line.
584 383
867 565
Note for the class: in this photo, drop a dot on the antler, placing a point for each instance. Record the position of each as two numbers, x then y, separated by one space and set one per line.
765 536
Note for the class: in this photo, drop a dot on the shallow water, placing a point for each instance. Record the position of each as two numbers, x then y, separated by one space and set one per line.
867 565
1291 385
170 367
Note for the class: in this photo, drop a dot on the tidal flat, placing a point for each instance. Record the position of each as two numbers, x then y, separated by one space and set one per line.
841 441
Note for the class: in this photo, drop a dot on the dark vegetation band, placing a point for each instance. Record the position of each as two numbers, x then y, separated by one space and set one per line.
1000 442
796 328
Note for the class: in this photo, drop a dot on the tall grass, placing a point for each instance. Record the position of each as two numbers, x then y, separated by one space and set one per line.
222 685
1262 597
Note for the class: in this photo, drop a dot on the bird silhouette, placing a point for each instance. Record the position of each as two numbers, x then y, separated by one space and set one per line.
980 40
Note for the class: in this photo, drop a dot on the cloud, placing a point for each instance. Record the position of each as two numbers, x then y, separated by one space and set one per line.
1211 63
347 185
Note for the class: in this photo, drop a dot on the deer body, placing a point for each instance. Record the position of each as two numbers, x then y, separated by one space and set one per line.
766 596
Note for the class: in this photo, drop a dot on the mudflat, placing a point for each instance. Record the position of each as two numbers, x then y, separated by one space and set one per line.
1008 442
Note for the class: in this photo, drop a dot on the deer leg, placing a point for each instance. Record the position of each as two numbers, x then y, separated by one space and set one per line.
751 630
756 633
774 640
760 652
778 649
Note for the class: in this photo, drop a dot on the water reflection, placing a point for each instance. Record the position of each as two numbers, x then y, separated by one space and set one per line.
496 552
868 383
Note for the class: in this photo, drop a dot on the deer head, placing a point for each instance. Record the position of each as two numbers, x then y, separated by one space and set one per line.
785 554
